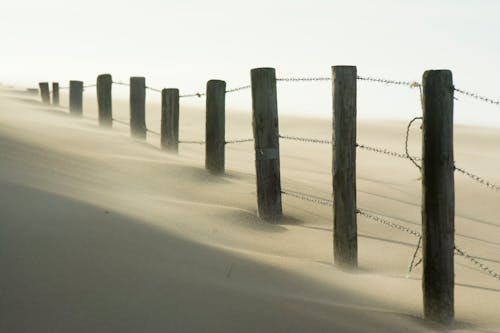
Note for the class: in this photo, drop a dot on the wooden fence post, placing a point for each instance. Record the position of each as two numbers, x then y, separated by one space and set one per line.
55 93
215 126
170 119
138 107
345 238
76 97
266 138
44 92
438 197
104 101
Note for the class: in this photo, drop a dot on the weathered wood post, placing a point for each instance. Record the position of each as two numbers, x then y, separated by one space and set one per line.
55 93
215 126
138 107
76 97
44 92
266 138
104 84
170 120
345 234
438 197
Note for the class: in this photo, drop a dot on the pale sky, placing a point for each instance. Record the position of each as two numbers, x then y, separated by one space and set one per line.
183 44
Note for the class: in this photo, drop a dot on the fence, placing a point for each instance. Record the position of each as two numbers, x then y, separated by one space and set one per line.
437 164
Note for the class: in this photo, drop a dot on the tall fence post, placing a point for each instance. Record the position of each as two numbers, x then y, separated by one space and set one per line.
438 197
76 97
55 93
345 238
104 102
138 107
215 126
44 92
170 119
266 138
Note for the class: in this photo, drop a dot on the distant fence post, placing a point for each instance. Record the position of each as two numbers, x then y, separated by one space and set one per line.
76 97
44 92
345 238
438 197
104 102
266 136
55 93
215 126
138 107
170 119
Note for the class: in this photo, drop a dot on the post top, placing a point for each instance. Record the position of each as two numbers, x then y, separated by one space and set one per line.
137 78
75 82
263 69
104 75
215 81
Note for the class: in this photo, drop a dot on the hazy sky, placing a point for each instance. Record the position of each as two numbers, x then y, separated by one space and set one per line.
184 43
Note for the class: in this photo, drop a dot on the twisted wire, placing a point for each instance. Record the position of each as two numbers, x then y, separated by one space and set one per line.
308 198
412 263
299 79
238 141
388 223
121 83
192 142
411 84
302 139
477 263
197 94
478 179
478 97
153 89
238 89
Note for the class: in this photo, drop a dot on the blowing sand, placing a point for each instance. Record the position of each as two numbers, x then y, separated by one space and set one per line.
103 233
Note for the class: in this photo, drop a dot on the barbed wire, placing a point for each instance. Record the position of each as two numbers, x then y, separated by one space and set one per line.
478 179
121 83
302 139
411 84
197 94
153 89
120 121
90 86
152 132
299 79
192 142
238 141
238 89
478 97
477 263
388 223
385 151
308 198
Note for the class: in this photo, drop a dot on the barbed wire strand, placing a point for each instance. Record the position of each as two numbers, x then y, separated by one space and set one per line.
192 142
478 97
308 198
238 89
238 141
299 79
478 179
152 132
302 139
411 84
388 223
153 89
477 263
120 121
197 94
121 83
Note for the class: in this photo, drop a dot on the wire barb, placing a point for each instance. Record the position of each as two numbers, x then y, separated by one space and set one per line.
192 142
478 179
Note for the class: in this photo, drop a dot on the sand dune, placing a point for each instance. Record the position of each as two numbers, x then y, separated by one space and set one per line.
103 233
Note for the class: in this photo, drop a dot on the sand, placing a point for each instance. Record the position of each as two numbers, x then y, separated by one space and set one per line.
100 232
